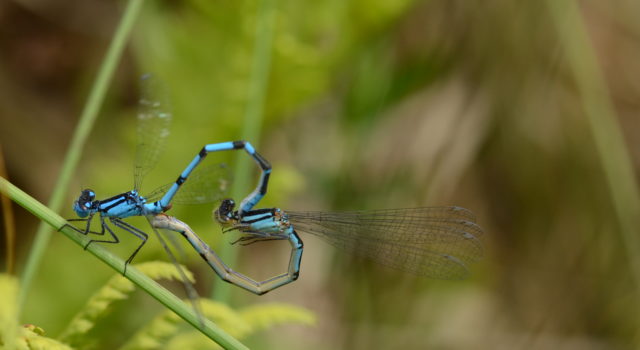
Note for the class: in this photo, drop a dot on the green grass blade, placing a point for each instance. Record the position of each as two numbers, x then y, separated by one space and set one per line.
87 119
150 286
602 120
252 123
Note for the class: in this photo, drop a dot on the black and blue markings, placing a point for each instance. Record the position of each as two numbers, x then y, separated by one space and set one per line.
438 242
131 203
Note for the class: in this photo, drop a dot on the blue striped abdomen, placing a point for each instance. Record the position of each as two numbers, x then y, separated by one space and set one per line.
267 221
124 205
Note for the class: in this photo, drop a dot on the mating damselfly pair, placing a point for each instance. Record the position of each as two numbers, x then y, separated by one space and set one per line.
438 242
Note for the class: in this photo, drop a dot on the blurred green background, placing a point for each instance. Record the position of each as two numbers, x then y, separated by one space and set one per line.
509 108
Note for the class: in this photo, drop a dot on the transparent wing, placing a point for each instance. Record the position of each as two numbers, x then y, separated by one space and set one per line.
154 121
437 242
207 184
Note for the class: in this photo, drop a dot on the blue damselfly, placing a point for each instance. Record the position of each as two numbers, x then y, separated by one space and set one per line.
205 185
436 242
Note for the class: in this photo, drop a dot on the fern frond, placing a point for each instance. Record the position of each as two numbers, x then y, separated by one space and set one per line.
163 331
32 338
190 340
12 336
166 326
117 288
155 334
264 316
8 310
228 319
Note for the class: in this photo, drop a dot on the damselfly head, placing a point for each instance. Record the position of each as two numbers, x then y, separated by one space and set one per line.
85 204
225 213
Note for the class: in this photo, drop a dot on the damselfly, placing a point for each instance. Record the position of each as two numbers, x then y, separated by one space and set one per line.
205 186
437 242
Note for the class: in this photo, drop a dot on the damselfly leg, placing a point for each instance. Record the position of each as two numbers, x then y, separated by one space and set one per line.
103 228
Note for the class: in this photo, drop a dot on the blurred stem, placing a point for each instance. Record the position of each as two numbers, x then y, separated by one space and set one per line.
9 223
252 123
89 113
51 219
602 119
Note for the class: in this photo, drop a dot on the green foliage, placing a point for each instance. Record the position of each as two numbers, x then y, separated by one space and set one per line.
507 108
166 326
8 310
264 316
12 336
156 334
164 331
33 339
140 279
118 288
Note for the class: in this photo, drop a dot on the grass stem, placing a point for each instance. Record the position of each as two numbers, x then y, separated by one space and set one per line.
87 119
151 287
602 120
252 123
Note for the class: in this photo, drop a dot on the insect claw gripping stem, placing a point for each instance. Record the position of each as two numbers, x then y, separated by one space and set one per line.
136 232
